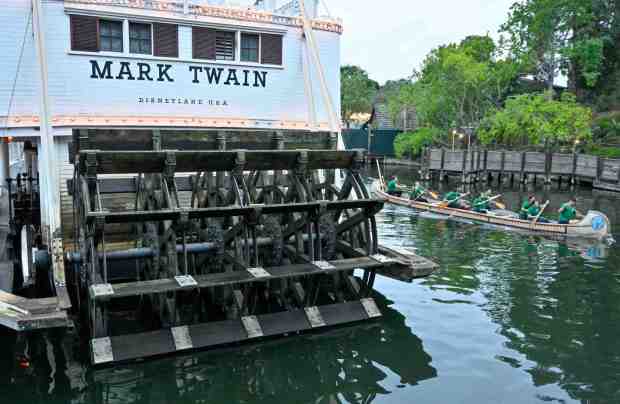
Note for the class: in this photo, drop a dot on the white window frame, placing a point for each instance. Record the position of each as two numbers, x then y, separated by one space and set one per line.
122 21
150 24
260 42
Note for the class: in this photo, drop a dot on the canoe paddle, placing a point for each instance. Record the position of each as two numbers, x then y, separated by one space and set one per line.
426 191
444 204
541 212
381 179
499 205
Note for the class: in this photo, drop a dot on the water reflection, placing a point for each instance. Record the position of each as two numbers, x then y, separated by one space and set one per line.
510 317
343 365
555 301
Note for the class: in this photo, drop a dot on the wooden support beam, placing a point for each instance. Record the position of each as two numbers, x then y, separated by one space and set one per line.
372 205
121 348
131 162
236 278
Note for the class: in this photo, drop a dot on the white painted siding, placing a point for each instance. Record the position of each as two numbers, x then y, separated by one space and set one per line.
73 92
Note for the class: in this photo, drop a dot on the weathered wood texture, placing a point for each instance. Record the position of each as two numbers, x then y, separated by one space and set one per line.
535 162
435 159
513 162
131 162
605 172
562 164
587 166
494 160
610 170
136 139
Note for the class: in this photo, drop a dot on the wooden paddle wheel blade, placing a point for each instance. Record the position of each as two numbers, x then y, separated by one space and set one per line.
109 350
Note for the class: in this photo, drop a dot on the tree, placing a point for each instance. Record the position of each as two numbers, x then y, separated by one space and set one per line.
537 120
357 92
458 84
577 38
411 144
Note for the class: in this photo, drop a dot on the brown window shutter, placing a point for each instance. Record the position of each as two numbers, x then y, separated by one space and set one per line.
271 49
166 40
203 43
84 33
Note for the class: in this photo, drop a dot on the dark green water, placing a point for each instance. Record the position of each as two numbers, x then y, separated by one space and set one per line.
509 318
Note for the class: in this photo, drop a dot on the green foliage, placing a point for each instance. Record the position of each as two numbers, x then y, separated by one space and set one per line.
357 91
610 152
578 38
457 84
606 128
411 144
536 119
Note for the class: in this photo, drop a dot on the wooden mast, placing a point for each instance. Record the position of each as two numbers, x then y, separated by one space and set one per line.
49 193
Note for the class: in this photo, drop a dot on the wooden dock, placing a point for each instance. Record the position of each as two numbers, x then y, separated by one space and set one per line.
483 165
16 312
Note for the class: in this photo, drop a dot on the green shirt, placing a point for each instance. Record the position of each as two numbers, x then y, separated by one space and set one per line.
392 185
481 204
567 213
452 196
417 192
524 209
533 210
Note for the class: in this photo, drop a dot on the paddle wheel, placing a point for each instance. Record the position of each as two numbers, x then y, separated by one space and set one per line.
197 248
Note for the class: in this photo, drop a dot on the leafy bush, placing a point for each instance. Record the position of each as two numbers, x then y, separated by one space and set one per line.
411 144
538 120
604 151
606 128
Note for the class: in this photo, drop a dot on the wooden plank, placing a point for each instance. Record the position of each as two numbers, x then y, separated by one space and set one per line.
587 166
562 164
131 162
513 162
231 211
234 278
453 161
494 160
20 322
32 306
138 139
611 170
161 342
435 159
535 163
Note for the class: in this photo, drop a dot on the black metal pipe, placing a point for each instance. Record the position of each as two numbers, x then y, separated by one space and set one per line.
147 252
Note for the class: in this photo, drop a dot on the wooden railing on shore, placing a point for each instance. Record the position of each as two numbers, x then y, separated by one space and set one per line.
477 165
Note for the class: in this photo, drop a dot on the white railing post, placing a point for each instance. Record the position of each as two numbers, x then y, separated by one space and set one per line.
48 174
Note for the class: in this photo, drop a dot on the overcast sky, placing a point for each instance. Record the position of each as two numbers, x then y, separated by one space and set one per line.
390 38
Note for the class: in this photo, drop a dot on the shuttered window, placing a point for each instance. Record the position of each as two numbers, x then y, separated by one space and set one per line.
140 38
249 47
203 43
84 33
110 36
225 45
271 49
166 40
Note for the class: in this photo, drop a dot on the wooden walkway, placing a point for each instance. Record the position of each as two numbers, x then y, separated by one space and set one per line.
478 165
16 312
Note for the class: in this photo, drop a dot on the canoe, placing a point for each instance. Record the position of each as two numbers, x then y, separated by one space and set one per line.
594 225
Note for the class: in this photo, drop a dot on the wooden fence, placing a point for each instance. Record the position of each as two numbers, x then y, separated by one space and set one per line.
481 164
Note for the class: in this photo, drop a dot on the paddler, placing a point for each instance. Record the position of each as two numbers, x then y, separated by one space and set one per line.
568 211
417 193
523 214
534 210
454 200
392 187
481 203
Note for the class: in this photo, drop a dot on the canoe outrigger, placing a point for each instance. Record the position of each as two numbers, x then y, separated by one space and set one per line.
593 225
